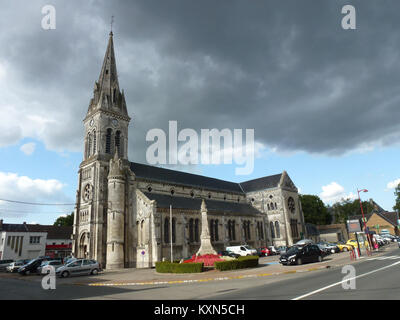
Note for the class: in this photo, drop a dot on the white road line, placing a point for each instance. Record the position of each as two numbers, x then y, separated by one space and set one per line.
340 282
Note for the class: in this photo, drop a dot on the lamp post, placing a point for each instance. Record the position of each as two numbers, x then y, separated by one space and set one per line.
363 218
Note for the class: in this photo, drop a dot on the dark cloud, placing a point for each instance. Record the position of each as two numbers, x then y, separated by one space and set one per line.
285 68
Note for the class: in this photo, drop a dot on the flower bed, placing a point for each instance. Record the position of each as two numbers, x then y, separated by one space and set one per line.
207 259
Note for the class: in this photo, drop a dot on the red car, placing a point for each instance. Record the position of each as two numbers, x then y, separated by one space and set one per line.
264 251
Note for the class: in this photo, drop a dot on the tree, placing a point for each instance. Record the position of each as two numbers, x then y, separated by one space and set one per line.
314 210
397 194
347 207
67 220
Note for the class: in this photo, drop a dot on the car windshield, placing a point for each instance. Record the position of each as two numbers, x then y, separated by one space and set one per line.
293 250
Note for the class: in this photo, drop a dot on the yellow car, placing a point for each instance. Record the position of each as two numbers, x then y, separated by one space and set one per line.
353 243
344 247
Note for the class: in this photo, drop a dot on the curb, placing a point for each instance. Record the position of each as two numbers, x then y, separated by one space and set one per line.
201 280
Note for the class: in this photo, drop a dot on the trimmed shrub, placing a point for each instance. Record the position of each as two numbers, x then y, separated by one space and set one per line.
168 267
239 263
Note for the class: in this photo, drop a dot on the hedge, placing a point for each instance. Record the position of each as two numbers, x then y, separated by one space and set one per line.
239 263
168 267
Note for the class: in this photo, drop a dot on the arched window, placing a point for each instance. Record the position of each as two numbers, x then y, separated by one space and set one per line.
166 230
118 142
233 230
89 139
108 141
191 231
173 230
212 229
268 206
271 225
278 231
196 230
114 95
94 141
216 230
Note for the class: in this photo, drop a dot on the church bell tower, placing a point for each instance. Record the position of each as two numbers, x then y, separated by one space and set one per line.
106 134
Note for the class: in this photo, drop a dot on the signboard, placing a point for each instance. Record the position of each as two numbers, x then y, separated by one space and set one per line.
353 225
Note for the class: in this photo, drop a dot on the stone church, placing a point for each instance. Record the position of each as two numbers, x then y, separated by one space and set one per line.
123 209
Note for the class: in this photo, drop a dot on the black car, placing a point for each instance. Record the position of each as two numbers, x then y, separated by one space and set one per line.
300 255
229 254
32 266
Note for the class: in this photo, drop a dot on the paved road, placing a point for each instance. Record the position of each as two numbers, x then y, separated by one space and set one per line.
378 278
375 278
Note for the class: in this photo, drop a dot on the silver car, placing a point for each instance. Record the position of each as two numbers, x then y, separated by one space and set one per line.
78 267
55 263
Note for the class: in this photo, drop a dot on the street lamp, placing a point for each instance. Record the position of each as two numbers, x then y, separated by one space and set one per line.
363 218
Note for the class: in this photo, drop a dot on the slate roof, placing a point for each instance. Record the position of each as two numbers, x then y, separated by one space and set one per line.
172 176
53 232
261 183
390 217
312 229
164 201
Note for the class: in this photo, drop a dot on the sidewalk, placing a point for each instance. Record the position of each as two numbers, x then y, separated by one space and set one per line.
138 277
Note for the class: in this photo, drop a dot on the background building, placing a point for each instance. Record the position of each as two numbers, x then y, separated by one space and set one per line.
29 241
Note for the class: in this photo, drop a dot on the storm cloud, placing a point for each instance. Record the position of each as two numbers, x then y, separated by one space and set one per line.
285 68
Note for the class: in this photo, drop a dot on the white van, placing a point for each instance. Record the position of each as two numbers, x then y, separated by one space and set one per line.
242 250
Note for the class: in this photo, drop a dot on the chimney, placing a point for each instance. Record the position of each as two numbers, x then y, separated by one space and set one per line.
1 224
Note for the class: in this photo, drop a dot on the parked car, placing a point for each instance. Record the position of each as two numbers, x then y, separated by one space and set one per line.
263 252
282 249
78 267
4 264
332 248
273 250
54 263
303 242
227 254
324 249
14 266
301 254
31 267
343 247
353 242
244 250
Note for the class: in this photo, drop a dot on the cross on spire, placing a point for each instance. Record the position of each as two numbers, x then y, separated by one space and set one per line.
112 21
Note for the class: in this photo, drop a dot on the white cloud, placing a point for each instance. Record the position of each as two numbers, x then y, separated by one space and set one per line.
23 188
393 184
334 192
28 148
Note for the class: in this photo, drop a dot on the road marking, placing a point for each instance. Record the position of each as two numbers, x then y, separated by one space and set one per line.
340 282
385 258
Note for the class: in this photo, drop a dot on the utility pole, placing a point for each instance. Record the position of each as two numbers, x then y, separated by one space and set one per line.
170 229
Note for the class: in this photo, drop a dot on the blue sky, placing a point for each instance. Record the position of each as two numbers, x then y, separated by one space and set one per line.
323 101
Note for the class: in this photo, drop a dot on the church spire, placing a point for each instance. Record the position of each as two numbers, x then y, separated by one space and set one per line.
108 78
107 95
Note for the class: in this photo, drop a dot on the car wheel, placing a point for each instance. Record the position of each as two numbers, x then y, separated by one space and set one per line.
319 258
298 261
94 272
27 272
65 274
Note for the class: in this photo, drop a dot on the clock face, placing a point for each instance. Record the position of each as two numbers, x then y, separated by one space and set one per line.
114 122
